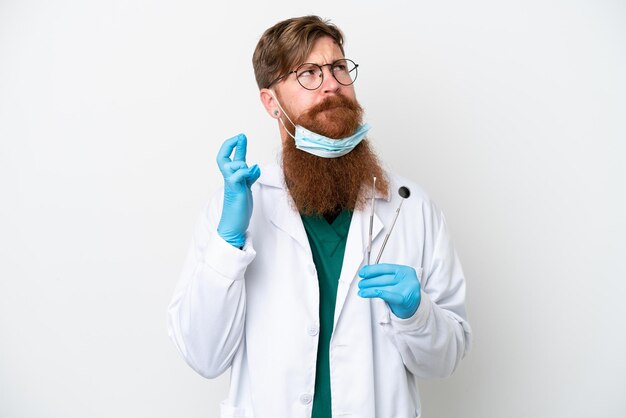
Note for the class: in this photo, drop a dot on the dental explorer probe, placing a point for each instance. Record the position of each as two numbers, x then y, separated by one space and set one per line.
404 192
369 244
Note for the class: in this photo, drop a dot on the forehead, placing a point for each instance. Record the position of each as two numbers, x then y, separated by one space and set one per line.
325 50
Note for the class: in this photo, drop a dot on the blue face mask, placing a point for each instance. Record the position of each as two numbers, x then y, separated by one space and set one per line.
324 147
320 145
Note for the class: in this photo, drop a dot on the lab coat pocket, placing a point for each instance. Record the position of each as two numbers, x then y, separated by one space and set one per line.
230 411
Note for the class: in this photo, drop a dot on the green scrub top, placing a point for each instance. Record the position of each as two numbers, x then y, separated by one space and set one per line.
328 244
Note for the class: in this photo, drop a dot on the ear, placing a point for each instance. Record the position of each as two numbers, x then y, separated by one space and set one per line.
269 103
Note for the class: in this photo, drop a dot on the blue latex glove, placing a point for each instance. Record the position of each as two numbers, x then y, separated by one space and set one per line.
238 178
395 284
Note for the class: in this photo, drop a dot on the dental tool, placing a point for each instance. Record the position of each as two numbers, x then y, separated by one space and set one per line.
369 244
404 193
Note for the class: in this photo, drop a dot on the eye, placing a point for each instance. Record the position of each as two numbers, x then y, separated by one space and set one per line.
342 66
307 70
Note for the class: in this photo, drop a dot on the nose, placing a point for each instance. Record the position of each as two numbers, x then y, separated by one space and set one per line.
329 83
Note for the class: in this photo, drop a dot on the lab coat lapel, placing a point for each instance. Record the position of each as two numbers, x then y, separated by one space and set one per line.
289 221
281 214
355 254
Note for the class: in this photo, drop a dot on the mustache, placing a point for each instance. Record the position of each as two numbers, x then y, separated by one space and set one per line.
333 102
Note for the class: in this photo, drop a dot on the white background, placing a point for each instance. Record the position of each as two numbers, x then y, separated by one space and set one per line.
511 114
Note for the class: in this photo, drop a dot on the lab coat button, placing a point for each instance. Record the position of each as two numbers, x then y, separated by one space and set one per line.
312 269
313 330
306 399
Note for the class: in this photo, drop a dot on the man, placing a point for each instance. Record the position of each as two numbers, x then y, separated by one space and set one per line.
290 295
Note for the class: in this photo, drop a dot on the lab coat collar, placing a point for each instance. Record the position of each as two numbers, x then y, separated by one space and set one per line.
272 175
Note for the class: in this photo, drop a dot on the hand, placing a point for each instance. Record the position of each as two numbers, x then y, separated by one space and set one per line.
395 284
238 179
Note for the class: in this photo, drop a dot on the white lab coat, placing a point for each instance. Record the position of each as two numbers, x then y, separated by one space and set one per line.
257 310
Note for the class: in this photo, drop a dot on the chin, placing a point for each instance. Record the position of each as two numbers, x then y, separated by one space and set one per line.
333 128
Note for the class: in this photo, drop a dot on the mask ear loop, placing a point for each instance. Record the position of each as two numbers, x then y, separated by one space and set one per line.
285 113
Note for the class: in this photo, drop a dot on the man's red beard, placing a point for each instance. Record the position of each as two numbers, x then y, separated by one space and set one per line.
328 185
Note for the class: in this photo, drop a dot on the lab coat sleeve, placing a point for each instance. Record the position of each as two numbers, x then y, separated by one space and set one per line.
207 312
434 340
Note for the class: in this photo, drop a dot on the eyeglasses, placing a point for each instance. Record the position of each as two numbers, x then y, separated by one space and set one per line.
310 76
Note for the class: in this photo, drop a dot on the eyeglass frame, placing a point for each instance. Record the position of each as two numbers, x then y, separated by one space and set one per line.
321 67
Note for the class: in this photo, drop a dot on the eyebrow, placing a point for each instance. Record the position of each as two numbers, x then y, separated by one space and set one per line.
332 62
